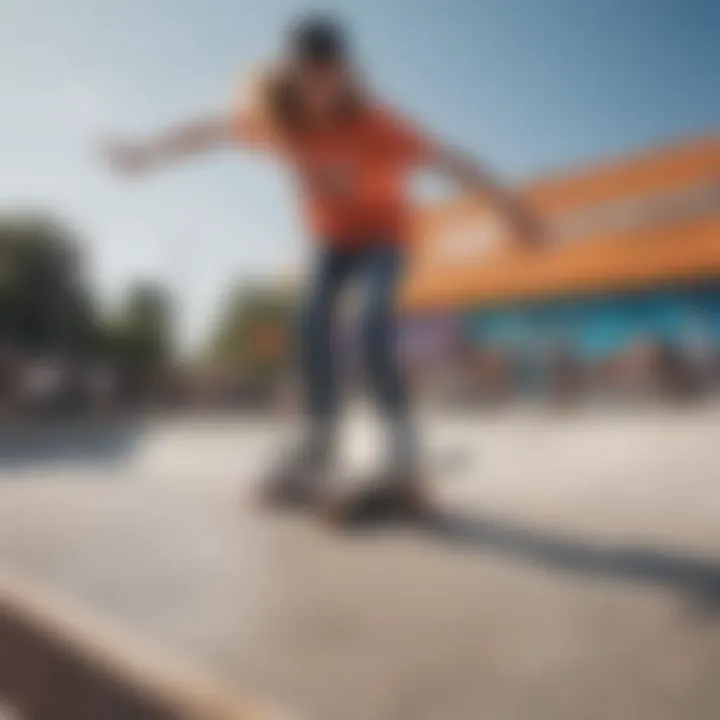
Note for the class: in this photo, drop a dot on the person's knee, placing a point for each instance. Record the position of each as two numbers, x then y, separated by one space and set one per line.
379 346
377 325
314 318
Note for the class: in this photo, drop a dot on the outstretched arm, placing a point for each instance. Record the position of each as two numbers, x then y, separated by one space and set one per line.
178 142
476 178
425 151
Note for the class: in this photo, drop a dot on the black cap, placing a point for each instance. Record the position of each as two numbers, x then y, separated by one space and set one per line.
318 39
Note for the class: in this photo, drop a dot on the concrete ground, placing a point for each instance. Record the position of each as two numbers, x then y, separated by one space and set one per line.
573 571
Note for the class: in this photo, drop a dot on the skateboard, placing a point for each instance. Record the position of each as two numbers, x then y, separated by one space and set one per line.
359 500
365 498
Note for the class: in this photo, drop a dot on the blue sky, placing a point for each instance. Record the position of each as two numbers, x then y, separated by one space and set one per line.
529 85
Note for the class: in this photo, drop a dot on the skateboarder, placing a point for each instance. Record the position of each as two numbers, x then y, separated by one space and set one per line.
351 154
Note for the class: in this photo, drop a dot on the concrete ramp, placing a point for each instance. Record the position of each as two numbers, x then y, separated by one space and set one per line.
573 571
59 662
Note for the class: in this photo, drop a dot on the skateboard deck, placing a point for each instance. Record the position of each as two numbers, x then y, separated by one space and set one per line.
360 499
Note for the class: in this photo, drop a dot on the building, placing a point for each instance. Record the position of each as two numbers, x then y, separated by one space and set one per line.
636 262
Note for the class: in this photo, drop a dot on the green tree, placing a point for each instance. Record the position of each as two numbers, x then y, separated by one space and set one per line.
254 331
141 333
138 339
44 305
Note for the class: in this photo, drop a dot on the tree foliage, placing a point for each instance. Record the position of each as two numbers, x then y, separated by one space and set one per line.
255 329
140 334
44 305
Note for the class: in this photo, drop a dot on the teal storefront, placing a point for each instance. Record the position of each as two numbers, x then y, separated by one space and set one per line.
599 327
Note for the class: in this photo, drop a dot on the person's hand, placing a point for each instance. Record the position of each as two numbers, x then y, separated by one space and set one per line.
530 231
126 158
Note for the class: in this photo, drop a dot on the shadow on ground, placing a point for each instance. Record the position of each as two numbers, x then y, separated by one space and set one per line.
699 578
107 443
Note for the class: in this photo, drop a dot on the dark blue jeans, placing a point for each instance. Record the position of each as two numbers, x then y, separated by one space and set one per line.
378 268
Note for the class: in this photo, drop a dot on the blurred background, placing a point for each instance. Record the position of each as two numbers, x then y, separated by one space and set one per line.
180 291
569 397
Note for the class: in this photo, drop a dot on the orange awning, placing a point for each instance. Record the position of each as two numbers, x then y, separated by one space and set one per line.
640 221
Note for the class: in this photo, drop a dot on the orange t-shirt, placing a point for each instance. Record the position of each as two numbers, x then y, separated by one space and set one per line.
352 175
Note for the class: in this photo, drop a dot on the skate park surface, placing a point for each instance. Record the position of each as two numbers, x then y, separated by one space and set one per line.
573 570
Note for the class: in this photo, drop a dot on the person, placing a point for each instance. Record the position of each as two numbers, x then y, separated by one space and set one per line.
352 155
